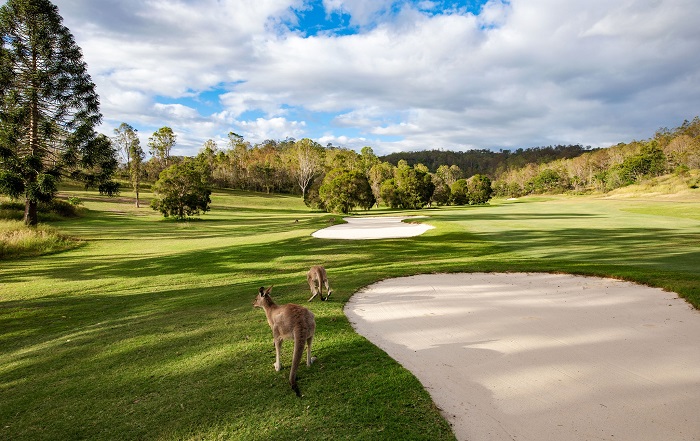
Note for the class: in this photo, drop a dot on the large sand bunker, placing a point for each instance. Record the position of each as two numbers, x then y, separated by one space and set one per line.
542 356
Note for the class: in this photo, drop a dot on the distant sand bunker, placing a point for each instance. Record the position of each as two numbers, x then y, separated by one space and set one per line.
373 228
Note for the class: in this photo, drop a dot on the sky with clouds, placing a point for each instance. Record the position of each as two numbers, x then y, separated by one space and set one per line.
393 74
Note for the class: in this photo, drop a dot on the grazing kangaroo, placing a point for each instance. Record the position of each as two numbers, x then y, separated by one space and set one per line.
317 278
288 322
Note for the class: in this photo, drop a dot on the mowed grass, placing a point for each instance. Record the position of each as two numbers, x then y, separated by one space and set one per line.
148 332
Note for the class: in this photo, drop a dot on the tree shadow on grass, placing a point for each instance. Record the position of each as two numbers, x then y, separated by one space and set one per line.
158 361
178 364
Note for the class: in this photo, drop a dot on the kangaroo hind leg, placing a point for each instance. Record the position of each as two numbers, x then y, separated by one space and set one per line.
312 286
309 358
298 351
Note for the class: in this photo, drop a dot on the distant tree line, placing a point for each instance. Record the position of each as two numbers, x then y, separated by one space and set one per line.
669 151
337 179
487 162
330 178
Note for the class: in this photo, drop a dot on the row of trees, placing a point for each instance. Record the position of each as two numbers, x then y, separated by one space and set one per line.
487 162
329 178
669 151
341 180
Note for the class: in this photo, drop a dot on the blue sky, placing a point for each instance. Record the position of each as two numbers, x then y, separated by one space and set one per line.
392 74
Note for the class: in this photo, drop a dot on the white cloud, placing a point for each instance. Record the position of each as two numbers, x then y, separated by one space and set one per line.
521 73
175 111
238 102
274 128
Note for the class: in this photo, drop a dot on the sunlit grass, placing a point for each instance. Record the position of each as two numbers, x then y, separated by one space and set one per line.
675 187
148 331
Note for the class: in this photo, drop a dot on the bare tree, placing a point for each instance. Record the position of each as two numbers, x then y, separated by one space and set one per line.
307 162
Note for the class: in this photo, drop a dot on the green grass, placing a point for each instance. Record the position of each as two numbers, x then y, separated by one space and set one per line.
16 240
148 332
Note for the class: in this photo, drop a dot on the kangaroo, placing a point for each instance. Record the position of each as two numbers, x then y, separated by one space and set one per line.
317 278
288 322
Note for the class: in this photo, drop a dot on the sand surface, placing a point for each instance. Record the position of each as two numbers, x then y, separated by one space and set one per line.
542 356
376 227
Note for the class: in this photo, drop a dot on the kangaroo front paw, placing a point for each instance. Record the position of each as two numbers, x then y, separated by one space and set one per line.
313 359
278 366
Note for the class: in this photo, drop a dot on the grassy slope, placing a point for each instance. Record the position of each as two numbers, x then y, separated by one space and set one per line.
147 332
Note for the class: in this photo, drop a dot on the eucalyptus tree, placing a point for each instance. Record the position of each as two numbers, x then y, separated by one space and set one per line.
479 189
235 170
449 174
343 190
48 109
339 157
183 190
160 144
367 160
377 175
137 156
124 138
306 162
208 152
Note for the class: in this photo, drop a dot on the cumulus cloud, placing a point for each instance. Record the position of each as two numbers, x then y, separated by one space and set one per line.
274 128
411 75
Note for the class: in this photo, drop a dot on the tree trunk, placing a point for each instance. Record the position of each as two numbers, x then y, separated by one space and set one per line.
31 219
30 207
136 188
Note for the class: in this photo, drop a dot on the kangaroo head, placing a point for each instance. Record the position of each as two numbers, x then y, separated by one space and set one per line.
262 297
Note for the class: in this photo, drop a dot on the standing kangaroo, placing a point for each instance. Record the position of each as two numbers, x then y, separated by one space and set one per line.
317 278
288 322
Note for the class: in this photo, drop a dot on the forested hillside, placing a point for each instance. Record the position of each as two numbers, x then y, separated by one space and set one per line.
484 161
674 151
340 179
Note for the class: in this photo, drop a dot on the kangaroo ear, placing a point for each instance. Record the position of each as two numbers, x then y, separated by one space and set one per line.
261 291
267 291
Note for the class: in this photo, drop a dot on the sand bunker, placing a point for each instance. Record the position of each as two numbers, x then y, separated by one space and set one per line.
542 356
373 228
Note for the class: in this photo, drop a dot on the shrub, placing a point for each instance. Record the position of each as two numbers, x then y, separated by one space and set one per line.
442 194
460 192
56 209
343 190
59 207
479 189
183 189
18 240
548 181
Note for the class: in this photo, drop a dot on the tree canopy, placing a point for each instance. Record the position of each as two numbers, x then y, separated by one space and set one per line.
183 189
161 143
48 109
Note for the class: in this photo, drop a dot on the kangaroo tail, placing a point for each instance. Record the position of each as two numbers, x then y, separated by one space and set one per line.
298 352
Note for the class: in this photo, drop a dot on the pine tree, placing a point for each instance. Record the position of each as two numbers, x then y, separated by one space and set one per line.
48 108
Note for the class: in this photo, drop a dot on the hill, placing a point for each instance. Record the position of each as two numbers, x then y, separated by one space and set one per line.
487 162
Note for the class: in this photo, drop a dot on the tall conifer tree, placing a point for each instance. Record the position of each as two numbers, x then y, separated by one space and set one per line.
48 108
